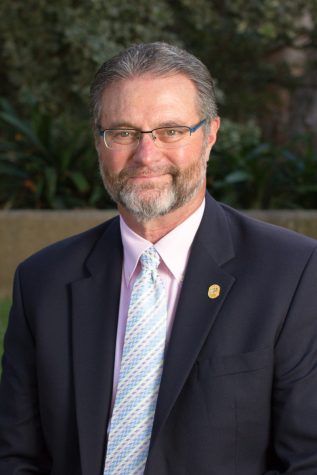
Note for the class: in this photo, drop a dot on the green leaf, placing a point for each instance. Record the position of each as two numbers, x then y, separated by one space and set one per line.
238 177
50 182
79 181
23 128
11 170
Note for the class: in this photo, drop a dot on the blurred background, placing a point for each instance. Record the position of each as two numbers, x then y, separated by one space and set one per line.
262 54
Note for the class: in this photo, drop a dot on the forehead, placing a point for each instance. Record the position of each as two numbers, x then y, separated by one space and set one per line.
150 100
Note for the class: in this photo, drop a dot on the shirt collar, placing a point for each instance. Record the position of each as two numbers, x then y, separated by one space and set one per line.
133 247
173 248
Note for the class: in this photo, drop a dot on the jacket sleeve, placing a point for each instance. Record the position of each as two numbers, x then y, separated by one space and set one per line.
294 399
22 445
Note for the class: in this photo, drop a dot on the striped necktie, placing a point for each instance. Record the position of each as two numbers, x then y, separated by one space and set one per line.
140 372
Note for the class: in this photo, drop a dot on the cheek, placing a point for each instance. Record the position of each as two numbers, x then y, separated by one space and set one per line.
113 162
185 156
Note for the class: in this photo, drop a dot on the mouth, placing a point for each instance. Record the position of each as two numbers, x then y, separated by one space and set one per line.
147 177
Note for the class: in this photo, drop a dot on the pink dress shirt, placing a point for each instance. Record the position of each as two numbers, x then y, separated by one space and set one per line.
174 251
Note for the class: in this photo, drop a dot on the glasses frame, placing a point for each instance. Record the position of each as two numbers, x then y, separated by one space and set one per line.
191 131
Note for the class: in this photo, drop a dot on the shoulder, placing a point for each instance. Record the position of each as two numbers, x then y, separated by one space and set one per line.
265 247
227 232
253 232
69 253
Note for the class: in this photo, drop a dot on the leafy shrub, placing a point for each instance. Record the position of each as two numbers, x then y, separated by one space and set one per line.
248 173
47 164
51 50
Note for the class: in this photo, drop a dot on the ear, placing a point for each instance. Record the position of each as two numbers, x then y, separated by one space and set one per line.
98 141
212 133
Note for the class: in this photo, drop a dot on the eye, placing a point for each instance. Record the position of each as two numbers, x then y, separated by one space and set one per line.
171 132
122 133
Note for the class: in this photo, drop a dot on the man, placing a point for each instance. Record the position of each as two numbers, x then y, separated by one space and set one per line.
229 385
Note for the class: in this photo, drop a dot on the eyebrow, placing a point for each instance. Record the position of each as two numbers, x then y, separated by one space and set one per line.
128 125
171 123
121 125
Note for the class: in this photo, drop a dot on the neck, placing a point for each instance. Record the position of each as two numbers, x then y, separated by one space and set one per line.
156 228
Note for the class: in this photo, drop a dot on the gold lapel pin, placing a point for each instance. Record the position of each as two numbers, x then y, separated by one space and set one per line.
214 291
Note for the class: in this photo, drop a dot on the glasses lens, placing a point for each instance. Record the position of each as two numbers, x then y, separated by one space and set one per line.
171 136
121 137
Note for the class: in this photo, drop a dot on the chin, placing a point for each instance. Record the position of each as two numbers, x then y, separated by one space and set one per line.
148 204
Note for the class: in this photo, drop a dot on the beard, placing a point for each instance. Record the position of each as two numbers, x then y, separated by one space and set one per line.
146 201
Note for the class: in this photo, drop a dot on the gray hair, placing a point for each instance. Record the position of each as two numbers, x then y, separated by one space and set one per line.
159 59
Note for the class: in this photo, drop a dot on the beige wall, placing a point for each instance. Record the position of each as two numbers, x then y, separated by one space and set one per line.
24 232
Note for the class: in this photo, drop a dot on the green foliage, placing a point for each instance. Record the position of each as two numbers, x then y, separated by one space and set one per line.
240 41
51 50
46 164
248 173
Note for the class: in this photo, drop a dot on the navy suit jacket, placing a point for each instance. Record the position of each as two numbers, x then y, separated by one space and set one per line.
239 388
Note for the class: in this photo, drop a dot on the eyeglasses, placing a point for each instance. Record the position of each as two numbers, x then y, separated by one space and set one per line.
163 137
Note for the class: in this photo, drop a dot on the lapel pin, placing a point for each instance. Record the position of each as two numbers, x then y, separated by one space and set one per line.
214 291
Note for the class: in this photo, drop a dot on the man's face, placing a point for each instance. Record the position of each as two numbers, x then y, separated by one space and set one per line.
149 181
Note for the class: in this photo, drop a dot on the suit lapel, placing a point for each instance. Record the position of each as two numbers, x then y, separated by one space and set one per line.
95 305
196 312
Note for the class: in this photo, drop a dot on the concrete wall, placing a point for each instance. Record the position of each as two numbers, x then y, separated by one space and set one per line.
24 232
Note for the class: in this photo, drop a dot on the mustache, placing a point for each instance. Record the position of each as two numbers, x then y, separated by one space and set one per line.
135 172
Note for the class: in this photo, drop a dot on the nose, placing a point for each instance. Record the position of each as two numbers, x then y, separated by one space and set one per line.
146 152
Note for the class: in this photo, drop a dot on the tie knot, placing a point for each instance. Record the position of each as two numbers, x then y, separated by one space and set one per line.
150 259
